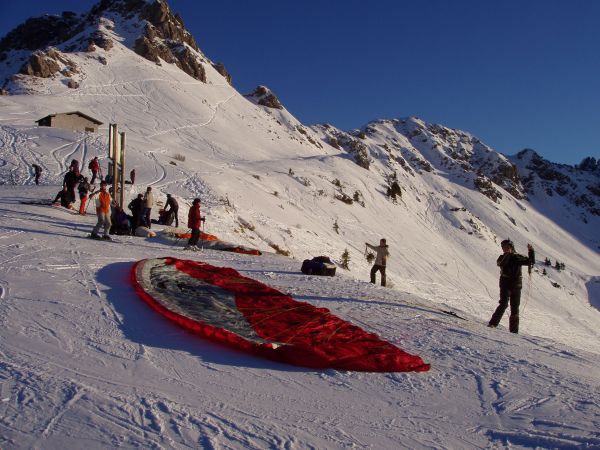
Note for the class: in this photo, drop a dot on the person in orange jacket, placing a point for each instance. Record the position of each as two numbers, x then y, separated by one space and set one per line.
103 202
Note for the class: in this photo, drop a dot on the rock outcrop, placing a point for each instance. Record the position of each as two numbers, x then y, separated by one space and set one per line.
263 96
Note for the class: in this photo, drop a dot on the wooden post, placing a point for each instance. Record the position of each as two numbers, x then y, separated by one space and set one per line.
116 165
122 178
115 160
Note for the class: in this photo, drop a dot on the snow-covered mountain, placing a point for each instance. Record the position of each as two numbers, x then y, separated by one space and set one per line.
442 198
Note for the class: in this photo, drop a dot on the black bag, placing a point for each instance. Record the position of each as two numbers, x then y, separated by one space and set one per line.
320 265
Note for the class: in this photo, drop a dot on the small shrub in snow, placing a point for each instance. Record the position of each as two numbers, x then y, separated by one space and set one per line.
179 157
336 227
344 198
345 260
279 250
246 225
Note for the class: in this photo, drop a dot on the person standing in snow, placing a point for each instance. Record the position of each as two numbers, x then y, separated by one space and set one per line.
75 167
136 206
511 282
172 208
84 189
94 166
132 176
194 221
382 254
148 205
38 172
70 182
103 203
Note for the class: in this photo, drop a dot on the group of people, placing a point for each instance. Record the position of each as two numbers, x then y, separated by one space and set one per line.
112 218
511 278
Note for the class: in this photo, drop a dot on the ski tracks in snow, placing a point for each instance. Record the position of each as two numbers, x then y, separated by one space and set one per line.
197 125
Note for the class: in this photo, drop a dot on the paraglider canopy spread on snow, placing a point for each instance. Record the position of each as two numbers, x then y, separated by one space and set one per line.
220 304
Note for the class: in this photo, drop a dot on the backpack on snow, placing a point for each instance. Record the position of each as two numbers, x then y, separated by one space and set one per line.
319 265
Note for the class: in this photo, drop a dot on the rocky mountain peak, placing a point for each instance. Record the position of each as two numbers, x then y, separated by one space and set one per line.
163 38
577 185
41 32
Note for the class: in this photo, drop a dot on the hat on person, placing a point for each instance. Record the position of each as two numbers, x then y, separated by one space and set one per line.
196 200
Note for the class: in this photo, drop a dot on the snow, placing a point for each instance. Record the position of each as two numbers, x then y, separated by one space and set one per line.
85 363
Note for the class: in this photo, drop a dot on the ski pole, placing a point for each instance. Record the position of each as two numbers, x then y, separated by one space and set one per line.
89 200
202 222
527 294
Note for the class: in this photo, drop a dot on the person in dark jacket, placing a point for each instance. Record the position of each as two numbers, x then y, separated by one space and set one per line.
75 167
63 197
194 221
70 182
511 282
172 208
83 189
132 176
38 172
136 206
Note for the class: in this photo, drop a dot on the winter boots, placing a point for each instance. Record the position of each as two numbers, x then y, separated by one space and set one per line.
513 324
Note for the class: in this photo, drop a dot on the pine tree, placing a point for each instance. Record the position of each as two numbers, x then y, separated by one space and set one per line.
345 260
336 227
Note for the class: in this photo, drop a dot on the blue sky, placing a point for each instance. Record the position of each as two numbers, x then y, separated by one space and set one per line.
516 74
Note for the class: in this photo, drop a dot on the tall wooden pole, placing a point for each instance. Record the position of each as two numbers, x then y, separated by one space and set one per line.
115 156
122 178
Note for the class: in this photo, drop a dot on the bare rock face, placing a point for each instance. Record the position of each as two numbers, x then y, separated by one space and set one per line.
99 39
72 84
45 64
484 185
219 67
166 38
167 25
187 61
265 97
40 65
41 32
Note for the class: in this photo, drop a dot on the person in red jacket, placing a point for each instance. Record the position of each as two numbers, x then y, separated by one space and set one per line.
94 166
194 220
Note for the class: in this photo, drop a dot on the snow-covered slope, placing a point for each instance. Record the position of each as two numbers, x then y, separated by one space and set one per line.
87 364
